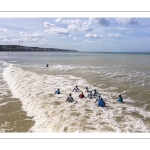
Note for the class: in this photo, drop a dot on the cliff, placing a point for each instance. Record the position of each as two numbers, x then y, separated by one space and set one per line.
26 48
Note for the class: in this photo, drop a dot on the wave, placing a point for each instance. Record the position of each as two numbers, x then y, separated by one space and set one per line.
52 113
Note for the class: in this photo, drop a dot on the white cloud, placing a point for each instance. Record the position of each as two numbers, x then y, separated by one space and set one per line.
101 21
58 20
3 30
35 40
88 41
116 35
34 35
6 40
74 38
58 30
130 21
37 34
3 37
93 36
123 28
55 29
48 25
77 24
13 41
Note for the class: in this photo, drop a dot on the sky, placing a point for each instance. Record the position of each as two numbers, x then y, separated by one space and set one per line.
82 34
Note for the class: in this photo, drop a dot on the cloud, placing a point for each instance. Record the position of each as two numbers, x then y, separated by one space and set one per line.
6 40
55 29
74 38
35 40
26 37
130 21
88 41
3 37
58 30
3 30
123 28
37 34
76 24
48 25
58 20
13 41
34 35
116 35
101 21
93 36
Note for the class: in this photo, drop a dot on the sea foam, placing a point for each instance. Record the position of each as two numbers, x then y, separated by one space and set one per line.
52 113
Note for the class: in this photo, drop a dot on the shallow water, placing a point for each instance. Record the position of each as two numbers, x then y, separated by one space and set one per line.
28 102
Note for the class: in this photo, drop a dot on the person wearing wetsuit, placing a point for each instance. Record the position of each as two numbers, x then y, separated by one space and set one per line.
57 92
90 95
70 99
101 103
120 99
87 90
98 99
76 89
81 95
95 93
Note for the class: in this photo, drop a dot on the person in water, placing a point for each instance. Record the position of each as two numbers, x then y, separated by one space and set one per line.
98 99
95 93
70 99
101 103
98 95
90 95
81 95
87 90
120 99
57 92
76 89
47 65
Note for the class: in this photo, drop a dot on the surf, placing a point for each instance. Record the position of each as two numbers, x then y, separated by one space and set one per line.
52 113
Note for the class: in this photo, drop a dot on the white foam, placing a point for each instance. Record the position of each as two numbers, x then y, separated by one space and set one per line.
5 103
53 114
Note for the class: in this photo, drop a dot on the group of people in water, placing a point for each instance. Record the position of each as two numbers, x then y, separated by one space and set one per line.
90 95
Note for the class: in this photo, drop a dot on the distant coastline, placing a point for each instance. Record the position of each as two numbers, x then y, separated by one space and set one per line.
27 48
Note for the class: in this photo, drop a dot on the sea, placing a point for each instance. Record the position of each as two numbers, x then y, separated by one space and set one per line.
28 102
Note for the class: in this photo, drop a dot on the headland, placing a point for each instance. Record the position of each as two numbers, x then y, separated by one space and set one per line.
27 48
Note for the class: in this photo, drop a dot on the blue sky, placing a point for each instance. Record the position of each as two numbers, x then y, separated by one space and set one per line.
83 34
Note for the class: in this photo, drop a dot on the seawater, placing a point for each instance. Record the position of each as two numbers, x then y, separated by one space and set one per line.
28 102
